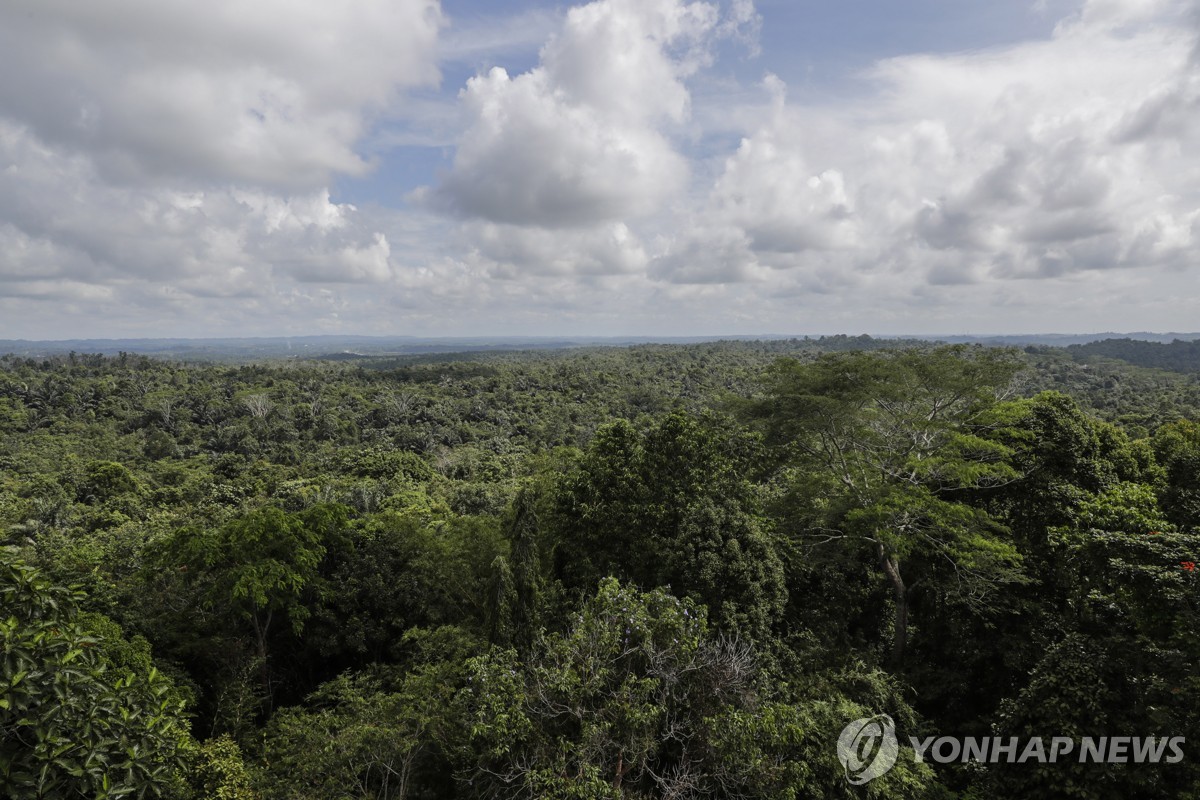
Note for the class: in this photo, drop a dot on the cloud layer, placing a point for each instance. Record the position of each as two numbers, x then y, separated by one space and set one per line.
272 92
161 152
165 164
1039 160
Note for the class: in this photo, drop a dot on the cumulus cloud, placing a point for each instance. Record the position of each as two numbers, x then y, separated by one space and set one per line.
1036 172
98 230
514 251
169 161
580 139
771 191
273 92
534 158
1039 159
157 154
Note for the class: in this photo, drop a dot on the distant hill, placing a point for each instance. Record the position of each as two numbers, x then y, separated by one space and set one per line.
1063 339
338 347
347 348
1177 355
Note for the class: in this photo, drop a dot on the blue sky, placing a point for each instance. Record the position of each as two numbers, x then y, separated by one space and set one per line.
672 167
820 48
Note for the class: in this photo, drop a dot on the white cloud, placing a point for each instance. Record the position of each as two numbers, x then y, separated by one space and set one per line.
173 155
274 92
771 192
170 164
580 139
534 157
1040 159
64 221
513 251
470 37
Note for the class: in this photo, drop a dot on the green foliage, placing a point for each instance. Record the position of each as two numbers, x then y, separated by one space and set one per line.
883 447
232 583
72 721
379 734
257 565
217 771
104 480
1177 449
1179 355
1066 696
637 699
357 741
397 572
423 520
672 507
377 462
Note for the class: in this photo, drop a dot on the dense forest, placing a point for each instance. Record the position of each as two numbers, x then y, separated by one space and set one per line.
661 571
1179 355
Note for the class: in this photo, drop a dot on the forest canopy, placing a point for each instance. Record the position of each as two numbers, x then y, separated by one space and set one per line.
645 572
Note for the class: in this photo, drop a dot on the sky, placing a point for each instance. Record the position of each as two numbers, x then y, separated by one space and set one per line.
618 167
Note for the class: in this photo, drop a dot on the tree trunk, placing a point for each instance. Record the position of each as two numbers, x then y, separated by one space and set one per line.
260 634
891 568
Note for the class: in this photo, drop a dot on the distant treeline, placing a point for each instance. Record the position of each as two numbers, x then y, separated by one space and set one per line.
1177 356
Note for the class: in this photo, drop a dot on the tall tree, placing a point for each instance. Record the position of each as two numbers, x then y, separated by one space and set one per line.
672 507
254 569
1177 447
638 699
880 447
